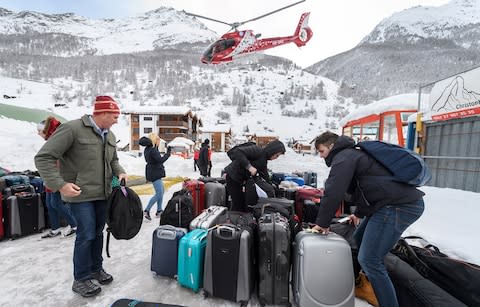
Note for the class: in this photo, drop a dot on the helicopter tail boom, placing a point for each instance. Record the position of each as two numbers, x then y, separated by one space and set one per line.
303 33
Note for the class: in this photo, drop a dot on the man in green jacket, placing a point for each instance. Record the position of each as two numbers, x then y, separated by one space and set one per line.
86 151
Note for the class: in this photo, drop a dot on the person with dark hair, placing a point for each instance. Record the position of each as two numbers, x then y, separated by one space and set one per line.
202 162
248 160
87 151
53 199
154 171
387 207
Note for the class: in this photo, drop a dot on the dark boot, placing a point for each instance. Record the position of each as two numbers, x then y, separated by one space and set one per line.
102 277
86 288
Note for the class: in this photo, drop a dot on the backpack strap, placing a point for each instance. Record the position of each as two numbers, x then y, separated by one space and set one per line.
108 242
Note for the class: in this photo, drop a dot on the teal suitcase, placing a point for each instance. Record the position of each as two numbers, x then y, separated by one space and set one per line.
191 255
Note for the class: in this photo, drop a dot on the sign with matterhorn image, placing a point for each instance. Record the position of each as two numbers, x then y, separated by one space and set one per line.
456 97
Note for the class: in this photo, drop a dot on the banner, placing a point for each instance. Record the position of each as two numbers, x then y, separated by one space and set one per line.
456 97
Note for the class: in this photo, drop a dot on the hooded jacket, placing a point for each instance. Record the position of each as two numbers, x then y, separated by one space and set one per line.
249 154
352 168
154 169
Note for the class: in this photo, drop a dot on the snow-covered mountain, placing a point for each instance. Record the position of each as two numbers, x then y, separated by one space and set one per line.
410 48
153 59
161 28
457 21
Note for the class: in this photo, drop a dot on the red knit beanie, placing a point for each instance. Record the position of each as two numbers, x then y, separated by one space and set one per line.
105 104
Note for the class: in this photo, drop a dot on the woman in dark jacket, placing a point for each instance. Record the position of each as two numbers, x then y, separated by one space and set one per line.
154 170
248 160
388 207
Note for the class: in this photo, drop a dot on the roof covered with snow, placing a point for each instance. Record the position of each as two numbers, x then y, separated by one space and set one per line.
182 110
398 102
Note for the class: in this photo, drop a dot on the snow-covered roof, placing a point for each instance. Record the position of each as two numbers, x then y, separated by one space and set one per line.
180 139
217 128
397 102
181 110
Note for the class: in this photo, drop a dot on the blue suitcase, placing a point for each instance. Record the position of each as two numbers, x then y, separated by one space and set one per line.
191 256
165 249
296 179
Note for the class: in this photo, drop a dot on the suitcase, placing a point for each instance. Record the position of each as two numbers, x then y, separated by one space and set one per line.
306 193
229 263
273 259
26 216
208 218
310 179
37 183
322 273
197 190
17 179
270 205
277 177
191 256
215 194
298 180
288 193
18 188
165 249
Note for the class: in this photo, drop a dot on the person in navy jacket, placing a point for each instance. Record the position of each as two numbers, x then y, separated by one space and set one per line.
154 171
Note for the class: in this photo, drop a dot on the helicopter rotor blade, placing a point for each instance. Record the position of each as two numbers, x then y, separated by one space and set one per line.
211 19
270 13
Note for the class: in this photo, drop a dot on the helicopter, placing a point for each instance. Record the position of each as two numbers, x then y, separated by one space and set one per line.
237 43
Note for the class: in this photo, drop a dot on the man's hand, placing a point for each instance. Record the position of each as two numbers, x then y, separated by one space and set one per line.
321 229
252 170
123 176
70 190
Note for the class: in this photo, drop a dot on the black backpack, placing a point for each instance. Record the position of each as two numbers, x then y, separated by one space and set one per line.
179 210
124 214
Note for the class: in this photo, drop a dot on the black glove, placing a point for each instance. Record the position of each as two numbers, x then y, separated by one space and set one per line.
169 149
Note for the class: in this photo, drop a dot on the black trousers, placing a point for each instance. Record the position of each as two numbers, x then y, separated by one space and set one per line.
235 189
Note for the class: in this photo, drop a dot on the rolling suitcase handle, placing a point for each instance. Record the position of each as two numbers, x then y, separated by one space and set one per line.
222 230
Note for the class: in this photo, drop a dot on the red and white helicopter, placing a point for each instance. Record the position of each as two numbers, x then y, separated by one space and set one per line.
240 42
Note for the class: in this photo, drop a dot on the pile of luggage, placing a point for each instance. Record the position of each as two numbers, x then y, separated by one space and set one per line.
22 209
228 254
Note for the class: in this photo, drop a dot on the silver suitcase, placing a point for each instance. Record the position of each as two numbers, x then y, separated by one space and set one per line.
208 218
322 271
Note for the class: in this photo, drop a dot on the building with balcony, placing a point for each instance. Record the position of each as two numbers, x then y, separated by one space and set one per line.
168 122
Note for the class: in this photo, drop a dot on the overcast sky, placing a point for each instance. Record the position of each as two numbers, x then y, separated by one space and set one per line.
338 25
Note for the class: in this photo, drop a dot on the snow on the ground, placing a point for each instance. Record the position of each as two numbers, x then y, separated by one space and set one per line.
37 271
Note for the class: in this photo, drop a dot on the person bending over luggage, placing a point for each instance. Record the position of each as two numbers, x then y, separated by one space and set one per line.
53 199
154 171
248 160
86 149
202 162
387 207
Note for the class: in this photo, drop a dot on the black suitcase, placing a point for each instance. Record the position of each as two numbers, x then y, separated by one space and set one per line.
273 259
229 258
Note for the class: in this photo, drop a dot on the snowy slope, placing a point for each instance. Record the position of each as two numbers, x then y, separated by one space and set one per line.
160 28
442 22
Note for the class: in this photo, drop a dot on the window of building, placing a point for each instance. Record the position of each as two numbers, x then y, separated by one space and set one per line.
136 130
147 130
135 118
147 118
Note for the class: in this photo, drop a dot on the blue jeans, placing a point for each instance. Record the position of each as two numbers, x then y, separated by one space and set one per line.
87 254
376 236
158 197
55 206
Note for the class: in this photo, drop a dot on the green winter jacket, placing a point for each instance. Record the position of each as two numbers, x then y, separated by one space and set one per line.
83 159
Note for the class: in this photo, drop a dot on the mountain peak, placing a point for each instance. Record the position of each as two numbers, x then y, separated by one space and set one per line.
424 22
